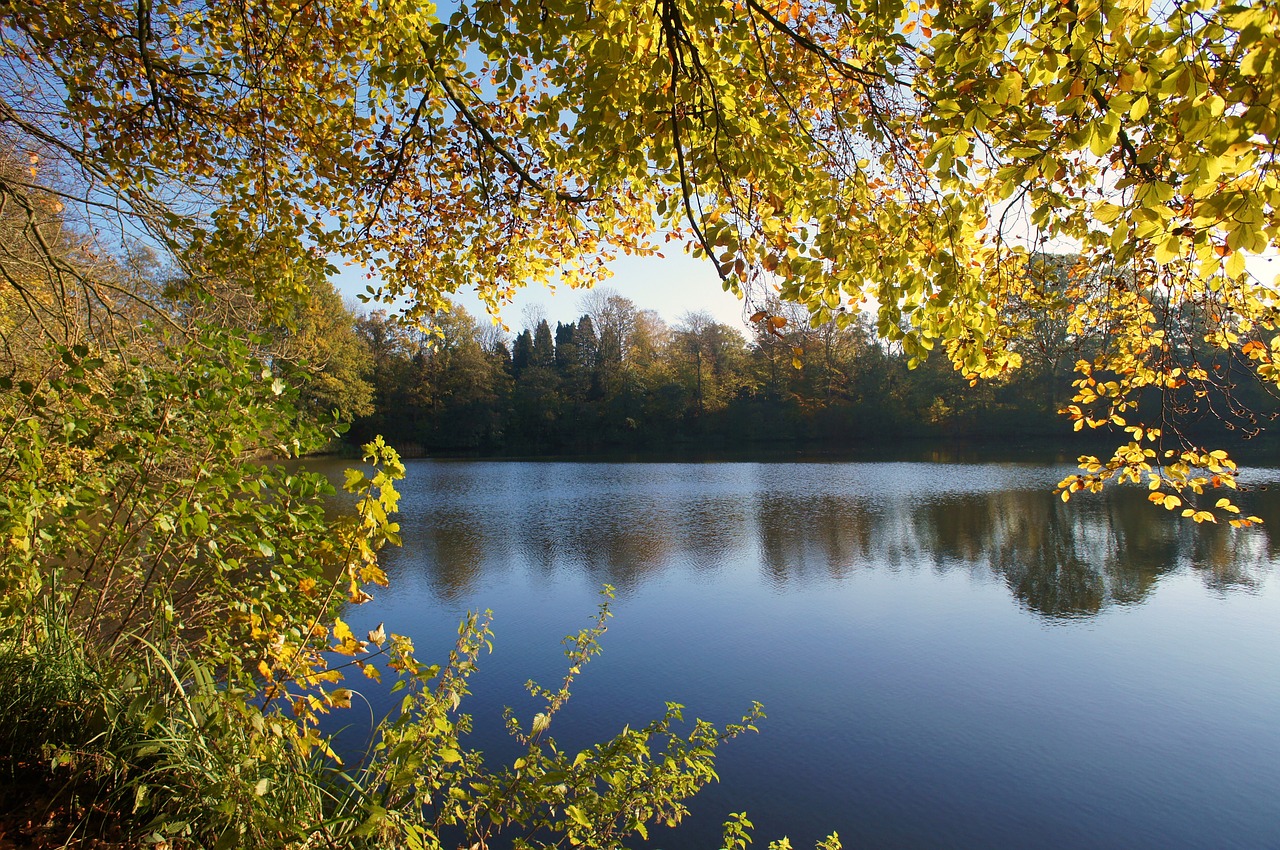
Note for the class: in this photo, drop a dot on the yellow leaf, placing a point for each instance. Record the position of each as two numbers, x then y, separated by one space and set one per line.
1168 250
1235 264
348 647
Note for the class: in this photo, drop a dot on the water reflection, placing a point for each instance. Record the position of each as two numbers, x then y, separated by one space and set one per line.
805 539
453 548
891 618
799 524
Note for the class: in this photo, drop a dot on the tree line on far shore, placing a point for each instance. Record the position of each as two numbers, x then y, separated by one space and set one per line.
624 378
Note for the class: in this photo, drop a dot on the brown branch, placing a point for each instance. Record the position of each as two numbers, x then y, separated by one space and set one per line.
671 27
491 141
844 68
1125 143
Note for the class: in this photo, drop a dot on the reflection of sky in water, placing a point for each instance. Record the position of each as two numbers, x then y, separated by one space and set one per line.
949 656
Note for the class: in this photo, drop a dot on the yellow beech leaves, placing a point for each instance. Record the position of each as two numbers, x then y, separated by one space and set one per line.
923 157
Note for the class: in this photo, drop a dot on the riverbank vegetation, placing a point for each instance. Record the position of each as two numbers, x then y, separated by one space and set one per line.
170 624
177 178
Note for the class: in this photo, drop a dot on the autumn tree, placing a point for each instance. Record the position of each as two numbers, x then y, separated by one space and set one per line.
321 341
714 356
461 386
914 156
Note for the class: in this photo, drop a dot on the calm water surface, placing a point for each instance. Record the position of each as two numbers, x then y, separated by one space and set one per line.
948 656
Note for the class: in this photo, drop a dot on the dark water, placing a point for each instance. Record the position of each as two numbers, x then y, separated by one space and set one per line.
947 654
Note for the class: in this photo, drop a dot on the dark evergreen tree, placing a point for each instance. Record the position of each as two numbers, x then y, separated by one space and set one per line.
544 351
522 353
502 354
566 348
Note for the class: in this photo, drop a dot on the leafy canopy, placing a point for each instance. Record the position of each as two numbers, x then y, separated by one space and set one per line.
910 156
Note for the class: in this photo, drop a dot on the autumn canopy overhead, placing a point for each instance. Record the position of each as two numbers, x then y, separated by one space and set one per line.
913 157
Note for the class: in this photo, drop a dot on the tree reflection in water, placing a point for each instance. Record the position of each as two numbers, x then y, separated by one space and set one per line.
626 524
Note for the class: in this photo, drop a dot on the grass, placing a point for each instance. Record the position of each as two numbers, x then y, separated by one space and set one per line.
154 748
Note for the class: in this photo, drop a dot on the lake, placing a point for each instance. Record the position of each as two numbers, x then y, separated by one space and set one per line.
948 655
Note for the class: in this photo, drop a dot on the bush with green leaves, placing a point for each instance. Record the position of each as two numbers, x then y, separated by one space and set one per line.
170 622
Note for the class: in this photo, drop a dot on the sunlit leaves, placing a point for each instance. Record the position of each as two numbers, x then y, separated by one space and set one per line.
830 153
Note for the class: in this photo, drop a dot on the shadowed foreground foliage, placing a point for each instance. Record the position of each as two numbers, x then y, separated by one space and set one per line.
170 633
